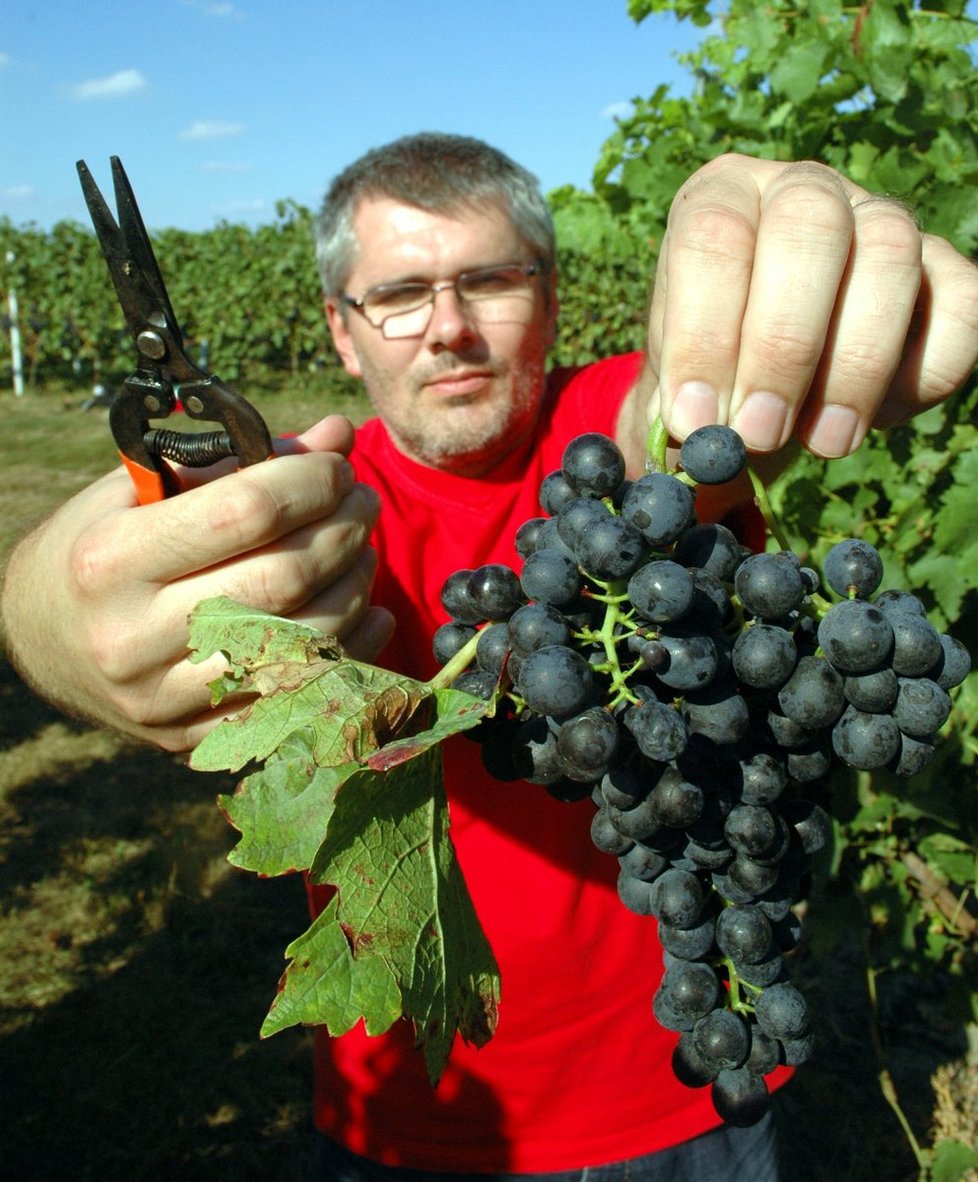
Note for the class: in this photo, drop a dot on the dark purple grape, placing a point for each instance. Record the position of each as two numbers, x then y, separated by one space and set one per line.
714 454
769 585
586 744
921 708
449 639
689 1066
495 591
550 577
781 1011
873 692
535 624
712 547
658 728
740 1097
660 507
744 933
764 656
556 492
917 645
856 636
722 1037
661 590
853 568
456 599
527 535
866 741
556 680
593 465
677 898
953 665
609 548
814 696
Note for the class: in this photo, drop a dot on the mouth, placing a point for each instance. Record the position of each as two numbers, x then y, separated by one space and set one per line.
460 383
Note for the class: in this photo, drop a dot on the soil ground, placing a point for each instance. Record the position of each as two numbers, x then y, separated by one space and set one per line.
136 965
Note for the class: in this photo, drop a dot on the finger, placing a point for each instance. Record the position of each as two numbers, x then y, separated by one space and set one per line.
869 329
711 240
942 348
333 433
230 516
368 639
181 690
803 245
284 576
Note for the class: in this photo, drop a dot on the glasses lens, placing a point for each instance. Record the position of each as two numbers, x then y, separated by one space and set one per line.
394 300
493 283
407 324
491 295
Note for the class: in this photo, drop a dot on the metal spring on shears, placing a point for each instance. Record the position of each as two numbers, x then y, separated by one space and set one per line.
191 450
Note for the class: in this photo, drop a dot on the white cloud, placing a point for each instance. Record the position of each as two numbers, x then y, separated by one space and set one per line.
18 192
211 129
4 59
116 85
224 166
616 110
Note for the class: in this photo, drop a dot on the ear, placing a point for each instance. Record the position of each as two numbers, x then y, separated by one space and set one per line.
342 338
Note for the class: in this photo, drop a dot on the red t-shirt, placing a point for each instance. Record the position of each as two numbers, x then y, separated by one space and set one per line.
578 1072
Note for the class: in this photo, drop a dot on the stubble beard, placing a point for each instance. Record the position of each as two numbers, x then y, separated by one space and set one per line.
468 434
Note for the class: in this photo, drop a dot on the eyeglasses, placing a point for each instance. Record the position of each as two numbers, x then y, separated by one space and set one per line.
491 295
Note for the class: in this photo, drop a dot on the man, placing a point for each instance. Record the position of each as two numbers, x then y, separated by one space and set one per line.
787 301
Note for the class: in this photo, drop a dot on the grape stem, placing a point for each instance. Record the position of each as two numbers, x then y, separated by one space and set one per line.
887 1087
656 446
763 502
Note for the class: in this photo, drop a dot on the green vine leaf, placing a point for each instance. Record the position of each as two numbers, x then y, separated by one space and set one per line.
351 790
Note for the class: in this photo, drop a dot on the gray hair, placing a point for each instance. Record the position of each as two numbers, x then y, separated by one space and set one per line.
436 172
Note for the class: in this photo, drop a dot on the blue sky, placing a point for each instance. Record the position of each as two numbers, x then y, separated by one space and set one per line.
220 109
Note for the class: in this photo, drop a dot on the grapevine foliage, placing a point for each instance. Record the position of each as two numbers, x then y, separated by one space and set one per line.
350 790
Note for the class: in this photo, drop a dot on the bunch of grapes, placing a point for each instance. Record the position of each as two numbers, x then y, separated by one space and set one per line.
698 693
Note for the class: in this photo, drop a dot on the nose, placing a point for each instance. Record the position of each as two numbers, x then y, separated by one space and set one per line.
451 326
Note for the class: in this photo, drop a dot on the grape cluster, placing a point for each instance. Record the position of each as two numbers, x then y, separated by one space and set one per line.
699 694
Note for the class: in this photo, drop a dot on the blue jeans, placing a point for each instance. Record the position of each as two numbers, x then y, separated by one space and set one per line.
725 1154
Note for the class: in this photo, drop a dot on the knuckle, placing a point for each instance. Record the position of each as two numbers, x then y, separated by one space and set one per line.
714 231
115 646
787 348
803 203
249 515
863 362
887 228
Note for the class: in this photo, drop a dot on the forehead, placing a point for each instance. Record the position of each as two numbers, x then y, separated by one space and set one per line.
397 241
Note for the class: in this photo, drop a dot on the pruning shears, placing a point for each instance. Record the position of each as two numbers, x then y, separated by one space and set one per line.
163 370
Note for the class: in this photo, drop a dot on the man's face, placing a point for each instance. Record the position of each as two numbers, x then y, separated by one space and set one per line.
463 394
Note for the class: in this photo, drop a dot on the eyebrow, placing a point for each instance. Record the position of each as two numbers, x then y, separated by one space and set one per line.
418 277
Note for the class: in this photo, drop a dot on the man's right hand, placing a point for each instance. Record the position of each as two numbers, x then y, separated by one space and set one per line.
97 597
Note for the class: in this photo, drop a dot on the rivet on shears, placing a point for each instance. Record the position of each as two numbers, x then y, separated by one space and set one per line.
151 345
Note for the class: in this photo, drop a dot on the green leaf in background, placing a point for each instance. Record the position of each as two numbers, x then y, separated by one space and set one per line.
952 1158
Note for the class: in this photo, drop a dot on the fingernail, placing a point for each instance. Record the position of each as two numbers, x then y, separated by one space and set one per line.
833 433
695 405
761 421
